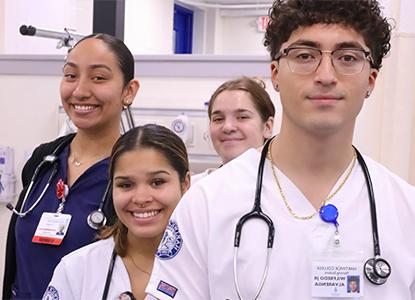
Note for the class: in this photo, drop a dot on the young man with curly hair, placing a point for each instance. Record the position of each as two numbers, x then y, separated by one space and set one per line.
326 56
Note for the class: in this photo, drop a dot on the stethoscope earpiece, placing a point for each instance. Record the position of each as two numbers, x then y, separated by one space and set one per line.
377 270
96 219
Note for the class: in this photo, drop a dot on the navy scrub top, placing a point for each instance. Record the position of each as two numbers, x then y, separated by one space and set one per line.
36 262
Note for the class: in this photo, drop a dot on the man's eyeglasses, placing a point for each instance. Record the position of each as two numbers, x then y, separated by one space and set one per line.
305 60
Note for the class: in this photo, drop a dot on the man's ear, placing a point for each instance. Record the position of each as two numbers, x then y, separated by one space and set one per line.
274 72
372 81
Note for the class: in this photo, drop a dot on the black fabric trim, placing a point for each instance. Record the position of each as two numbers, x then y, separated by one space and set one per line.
39 153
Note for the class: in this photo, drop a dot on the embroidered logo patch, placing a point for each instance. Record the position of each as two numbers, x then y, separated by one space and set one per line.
171 243
167 289
51 294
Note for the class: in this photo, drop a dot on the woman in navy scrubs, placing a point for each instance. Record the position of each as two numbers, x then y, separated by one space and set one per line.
97 83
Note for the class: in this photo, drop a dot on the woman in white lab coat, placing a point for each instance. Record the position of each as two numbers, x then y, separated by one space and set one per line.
241 116
149 171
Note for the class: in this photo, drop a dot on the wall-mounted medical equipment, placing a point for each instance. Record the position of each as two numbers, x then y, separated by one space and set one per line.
66 38
7 178
182 126
190 124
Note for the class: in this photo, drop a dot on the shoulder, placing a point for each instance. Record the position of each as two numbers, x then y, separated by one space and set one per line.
41 151
241 168
233 179
198 176
393 193
50 147
89 252
387 178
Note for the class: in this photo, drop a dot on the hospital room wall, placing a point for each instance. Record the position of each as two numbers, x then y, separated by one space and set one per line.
2 27
148 29
385 129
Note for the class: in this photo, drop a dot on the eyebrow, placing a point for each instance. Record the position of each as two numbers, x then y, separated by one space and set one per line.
148 174
342 45
239 110
93 66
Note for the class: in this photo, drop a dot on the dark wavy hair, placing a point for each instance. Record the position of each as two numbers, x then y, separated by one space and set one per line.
364 16
150 136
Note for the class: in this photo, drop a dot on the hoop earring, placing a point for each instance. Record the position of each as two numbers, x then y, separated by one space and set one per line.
368 93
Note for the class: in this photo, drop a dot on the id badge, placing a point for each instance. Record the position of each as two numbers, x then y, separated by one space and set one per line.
337 276
52 228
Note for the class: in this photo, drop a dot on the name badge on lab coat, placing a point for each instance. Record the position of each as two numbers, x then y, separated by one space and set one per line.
334 278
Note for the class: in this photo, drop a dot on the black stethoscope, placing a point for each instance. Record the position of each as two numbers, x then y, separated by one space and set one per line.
126 295
96 219
376 269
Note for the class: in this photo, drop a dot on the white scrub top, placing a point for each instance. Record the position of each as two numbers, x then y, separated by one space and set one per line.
195 257
196 177
82 274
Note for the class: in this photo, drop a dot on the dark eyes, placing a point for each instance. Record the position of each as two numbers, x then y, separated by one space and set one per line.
218 119
305 56
157 182
96 78
69 76
125 185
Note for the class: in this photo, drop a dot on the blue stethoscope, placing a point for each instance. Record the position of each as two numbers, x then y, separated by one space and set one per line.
96 219
376 269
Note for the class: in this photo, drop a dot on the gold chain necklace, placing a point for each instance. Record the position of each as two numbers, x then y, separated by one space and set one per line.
142 270
291 211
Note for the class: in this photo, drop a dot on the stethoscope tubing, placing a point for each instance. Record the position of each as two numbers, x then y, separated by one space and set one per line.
53 160
257 213
374 221
22 214
48 159
109 275
264 274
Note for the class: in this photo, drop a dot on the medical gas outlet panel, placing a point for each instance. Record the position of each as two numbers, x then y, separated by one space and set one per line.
7 178
191 125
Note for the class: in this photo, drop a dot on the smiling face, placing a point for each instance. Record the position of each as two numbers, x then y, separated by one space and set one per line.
236 125
323 102
353 286
92 88
146 189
